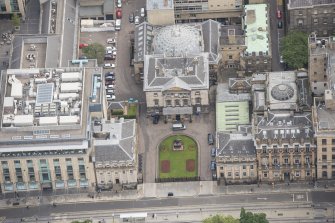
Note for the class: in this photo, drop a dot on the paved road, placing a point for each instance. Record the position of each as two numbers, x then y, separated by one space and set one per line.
150 205
276 35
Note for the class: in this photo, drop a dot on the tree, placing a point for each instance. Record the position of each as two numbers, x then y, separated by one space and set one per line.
295 49
249 217
221 219
85 221
16 19
95 51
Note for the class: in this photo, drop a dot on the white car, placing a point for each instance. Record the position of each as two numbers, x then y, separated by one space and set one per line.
142 12
110 48
111 41
137 20
109 65
110 97
114 53
110 86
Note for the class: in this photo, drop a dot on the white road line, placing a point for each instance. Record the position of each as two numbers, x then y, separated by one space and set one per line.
293 197
306 196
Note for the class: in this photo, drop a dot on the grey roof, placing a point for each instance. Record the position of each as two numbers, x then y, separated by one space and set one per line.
143 40
223 94
283 125
108 6
295 4
163 73
119 145
211 35
159 4
177 110
236 144
239 84
325 119
46 16
91 11
232 32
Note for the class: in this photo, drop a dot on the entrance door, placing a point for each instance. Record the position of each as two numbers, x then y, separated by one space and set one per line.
117 181
178 118
287 177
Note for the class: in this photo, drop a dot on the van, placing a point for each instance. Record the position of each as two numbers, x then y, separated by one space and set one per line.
178 126
142 12
118 24
210 139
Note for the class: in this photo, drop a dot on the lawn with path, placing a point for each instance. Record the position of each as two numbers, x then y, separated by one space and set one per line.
178 159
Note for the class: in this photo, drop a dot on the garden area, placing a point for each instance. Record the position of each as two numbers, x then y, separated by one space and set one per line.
129 112
178 157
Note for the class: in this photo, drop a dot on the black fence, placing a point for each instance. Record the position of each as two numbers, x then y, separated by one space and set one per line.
182 179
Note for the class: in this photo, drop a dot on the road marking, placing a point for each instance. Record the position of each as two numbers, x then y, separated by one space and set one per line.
293 197
306 196
262 198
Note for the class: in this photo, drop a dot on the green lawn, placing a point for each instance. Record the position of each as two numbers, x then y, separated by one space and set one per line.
132 109
178 158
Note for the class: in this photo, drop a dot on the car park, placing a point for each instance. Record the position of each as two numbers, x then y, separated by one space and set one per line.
137 20
131 17
109 65
280 25
118 13
111 41
210 139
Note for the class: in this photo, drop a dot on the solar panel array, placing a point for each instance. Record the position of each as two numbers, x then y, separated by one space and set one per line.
44 93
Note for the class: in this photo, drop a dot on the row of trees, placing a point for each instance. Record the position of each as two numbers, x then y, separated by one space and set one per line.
245 217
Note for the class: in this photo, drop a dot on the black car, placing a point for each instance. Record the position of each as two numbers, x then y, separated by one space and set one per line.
131 18
109 57
83 57
280 25
155 119
110 78
210 139
109 74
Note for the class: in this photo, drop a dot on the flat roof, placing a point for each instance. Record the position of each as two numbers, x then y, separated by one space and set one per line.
159 4
296 4
257 29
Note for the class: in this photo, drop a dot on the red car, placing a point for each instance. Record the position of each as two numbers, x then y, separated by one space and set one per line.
279 15
118 14
82 45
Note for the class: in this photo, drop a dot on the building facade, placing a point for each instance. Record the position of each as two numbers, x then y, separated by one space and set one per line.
115 152
257 56
8 7
236 158
44 140
311 16
282 127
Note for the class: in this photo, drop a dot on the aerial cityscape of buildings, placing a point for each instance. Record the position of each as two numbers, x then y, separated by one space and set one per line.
208 70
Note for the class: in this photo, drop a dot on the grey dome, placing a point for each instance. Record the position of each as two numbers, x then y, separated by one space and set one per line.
176 40
282 92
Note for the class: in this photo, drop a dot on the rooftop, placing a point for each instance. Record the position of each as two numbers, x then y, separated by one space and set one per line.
283 125
42 105
232 35
296 4
114 141
257 29
159 4
188 72
236 144
223 94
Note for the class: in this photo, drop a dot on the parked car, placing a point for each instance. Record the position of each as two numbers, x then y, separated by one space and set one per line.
281 60
142 12
279 14
155 119
118 13
213 152
83 45
110 97
111 78
210 139
137 20
111 41
109 82
110 86
82 57
110 91
109 57
109 65
280 25
110 73
213 165
131 17
110 48
119 3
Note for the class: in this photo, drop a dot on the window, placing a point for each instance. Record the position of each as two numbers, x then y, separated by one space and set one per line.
333 149
244 167
307 159
221 167
68 159
168 102
177 102
324 141
156 102
286 160
300 22
197 93
324 166
43 162
324 149
230 57
325 20
275 161
264 149
315 11
237 174
334 20
244 174
296 161
308 173
251 167
315 21
130 171
198 100
297 173
324 157
296 148
333 157
324 173
229 174
286 148
333 141
300 12
155 95
185 102
265 174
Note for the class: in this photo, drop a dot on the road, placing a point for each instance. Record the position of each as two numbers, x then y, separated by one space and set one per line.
299 203
276 34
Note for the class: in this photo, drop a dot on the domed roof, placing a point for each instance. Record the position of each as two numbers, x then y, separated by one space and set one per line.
282 92
178 39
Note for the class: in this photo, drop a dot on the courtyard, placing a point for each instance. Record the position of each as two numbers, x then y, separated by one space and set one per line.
178 157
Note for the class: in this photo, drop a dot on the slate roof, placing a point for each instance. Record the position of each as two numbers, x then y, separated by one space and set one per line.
211 36
143 40
189 72
119 146
236 144
295 4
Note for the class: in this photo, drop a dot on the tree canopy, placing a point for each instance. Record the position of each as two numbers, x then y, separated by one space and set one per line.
294 49
85 221
95 51
221 219
249 217
16 19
